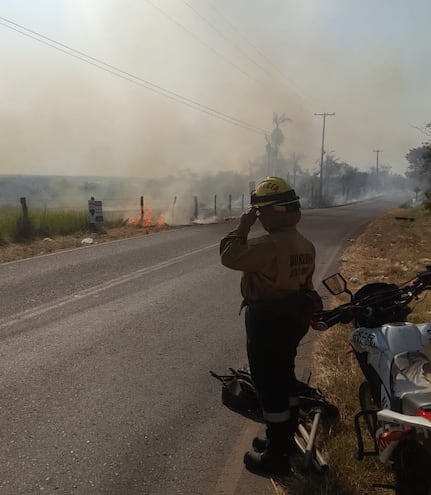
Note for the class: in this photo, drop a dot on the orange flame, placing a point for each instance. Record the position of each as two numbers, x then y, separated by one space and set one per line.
160 222
146 220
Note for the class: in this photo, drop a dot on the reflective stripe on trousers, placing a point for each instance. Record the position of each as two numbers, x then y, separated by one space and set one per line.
282 416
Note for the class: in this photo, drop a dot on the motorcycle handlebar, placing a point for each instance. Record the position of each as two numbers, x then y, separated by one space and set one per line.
326 319
345 313
422 279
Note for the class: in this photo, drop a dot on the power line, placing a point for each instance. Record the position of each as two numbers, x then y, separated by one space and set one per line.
287 80
218 31
181 26
100 64
128 76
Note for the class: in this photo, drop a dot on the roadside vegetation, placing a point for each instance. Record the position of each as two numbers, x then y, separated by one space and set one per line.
45 231
392 249
16 227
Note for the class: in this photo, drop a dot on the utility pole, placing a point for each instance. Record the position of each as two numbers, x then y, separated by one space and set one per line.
377 166
324 115
268 148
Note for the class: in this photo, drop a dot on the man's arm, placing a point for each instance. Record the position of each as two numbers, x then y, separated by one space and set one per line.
237 252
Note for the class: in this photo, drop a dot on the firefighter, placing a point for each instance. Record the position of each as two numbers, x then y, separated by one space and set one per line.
279 298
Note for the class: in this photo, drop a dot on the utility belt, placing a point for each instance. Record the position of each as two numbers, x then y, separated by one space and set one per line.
307 300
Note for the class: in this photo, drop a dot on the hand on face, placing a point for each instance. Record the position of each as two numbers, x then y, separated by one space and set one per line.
247 219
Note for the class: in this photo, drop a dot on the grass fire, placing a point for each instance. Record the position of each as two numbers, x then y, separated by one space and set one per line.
147 218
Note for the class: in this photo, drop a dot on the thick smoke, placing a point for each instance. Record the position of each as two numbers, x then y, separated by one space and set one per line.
62 116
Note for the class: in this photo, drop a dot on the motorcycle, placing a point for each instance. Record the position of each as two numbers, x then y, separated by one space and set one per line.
395 359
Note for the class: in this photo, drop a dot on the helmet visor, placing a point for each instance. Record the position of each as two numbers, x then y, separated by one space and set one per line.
279 198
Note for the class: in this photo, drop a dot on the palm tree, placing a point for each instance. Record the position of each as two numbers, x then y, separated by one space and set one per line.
277 136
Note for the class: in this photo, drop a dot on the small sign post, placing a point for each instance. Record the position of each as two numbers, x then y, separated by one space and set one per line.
95 214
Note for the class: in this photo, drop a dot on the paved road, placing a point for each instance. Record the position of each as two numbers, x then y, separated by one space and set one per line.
104 360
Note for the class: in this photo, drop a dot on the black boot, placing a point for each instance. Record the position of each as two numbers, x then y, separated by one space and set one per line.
274 458
285 430
260 444
267 463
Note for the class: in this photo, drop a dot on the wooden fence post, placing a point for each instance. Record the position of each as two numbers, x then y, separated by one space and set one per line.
26 230
196 208
173 210
24 208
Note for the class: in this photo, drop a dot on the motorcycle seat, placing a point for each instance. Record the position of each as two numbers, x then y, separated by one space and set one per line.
411 381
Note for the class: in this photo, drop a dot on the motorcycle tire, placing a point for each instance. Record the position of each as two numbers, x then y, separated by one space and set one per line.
368 403
411 469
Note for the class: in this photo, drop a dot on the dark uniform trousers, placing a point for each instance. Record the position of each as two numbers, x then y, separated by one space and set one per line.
274 330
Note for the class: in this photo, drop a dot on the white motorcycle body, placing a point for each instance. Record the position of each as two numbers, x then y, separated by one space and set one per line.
400 354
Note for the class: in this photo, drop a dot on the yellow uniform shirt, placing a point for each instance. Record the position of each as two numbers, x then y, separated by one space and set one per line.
274 265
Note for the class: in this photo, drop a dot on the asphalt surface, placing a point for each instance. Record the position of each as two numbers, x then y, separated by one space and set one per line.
105 354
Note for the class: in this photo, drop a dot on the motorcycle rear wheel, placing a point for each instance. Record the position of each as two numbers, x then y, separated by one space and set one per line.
411 469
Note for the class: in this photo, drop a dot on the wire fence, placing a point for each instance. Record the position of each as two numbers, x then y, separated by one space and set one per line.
175 210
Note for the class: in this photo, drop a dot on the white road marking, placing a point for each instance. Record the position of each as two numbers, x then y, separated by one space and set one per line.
44 308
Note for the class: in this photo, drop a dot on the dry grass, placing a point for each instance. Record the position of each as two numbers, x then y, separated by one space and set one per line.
16 251
391 250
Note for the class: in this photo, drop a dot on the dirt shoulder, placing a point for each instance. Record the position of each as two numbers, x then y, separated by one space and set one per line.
17 251
393 248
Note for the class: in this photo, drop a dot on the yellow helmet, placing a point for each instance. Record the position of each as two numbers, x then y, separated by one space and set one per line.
273 191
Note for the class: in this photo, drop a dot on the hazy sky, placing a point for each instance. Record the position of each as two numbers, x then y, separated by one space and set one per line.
366 61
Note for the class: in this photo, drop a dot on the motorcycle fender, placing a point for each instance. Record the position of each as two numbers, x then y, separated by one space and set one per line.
394 427
388 416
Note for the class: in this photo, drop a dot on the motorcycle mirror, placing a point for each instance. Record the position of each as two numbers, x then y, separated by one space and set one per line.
336 284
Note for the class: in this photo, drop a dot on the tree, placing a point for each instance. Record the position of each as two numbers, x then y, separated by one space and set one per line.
293 162
277 136
275 141
425 129
420 158
420 163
